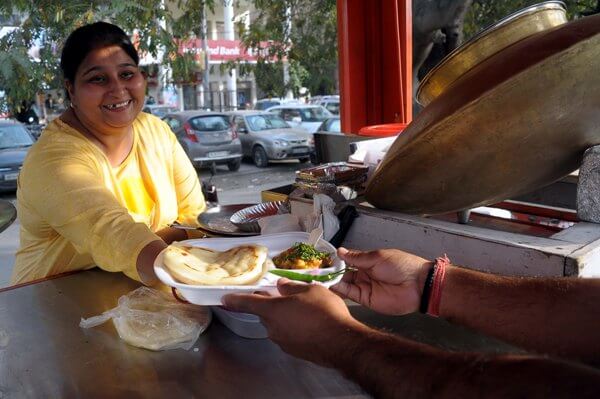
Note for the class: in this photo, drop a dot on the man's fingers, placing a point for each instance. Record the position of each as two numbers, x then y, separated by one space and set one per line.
289 287
347 290
357 259
350 276
246 303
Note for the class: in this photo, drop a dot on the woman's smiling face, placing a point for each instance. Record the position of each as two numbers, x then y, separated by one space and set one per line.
109 90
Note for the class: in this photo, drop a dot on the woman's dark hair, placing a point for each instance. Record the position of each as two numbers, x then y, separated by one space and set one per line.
91 37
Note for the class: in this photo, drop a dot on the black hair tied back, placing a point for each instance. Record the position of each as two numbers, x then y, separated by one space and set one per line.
91 37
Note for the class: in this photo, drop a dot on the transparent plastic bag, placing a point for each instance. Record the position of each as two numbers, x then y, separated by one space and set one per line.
150 319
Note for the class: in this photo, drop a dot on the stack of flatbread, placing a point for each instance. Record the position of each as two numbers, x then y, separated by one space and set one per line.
242 265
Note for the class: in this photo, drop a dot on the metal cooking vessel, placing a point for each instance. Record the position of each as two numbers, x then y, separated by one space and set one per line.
515 27
516 122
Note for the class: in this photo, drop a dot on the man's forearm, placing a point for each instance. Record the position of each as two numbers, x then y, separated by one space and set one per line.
385 365
557 316
390 366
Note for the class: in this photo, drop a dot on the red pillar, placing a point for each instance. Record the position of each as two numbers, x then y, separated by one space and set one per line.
375 58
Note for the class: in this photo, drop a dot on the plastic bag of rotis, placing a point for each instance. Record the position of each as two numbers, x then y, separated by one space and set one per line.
150 319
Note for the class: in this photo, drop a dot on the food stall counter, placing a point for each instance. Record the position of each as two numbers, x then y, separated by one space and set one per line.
44 352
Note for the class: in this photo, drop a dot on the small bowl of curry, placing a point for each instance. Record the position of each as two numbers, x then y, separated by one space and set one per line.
303 256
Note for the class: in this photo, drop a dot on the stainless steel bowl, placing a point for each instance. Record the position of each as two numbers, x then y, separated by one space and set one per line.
247 218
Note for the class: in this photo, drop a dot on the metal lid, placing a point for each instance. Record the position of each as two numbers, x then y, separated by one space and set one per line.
509 30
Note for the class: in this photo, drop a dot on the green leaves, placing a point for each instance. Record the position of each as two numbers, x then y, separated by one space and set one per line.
47 23
184 68
302 32
15 67
484 13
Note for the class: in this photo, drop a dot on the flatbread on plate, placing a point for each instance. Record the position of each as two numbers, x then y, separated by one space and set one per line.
241 265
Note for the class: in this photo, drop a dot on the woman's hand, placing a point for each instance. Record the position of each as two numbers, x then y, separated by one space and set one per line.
306 321
387 280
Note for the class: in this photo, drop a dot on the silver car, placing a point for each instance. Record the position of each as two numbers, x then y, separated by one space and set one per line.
159 110
266 136
331 125
207 138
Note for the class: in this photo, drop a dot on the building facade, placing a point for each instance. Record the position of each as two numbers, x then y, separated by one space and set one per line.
227 90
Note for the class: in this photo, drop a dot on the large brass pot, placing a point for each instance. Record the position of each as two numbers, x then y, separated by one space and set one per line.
515 27
516 122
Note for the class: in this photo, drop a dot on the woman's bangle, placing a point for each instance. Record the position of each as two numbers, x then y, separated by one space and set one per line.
432 291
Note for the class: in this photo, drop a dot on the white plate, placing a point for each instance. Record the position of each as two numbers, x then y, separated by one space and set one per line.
276 243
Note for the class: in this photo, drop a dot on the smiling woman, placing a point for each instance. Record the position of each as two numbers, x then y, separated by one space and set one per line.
105 180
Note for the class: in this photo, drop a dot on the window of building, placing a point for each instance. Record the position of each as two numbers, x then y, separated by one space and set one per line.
220 29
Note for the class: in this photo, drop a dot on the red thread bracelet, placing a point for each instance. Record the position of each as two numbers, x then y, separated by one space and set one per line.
438 283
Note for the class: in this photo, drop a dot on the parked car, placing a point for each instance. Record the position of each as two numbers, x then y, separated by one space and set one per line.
332 106
266 136
331 125
36 130
207 138
305 116
330 103
265 103
15 141
159 110
319 99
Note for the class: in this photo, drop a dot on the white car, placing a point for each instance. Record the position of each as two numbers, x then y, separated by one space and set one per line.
305 116
265 103
331 103
332 106
159 110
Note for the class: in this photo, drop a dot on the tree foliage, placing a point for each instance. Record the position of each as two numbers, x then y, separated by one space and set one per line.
47 23
439 26
308 43
484 13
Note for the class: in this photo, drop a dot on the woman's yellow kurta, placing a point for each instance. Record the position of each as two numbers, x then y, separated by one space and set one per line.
77 211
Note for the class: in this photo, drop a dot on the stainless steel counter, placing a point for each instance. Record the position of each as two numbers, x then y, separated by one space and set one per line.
45 354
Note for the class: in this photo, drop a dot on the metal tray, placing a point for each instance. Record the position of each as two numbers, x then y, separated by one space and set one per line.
216 220
247 218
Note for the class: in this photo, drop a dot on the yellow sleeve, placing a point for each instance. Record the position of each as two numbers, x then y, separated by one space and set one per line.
65 186
190 200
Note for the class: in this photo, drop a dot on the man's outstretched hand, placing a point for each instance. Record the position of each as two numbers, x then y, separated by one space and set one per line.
388 281
307 320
